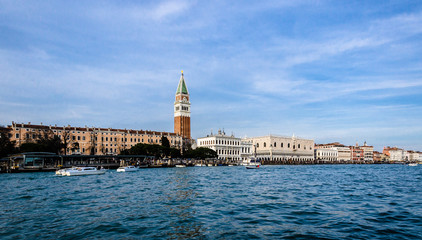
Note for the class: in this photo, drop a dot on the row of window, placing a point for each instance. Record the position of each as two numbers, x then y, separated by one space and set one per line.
220 142
79 138
326 154
282 145
106 133
228 152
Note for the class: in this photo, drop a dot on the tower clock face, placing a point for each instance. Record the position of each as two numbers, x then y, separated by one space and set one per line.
184 99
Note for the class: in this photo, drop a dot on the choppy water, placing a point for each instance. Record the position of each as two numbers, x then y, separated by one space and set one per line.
297 202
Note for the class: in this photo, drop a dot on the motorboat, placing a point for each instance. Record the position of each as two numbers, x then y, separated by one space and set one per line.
127 169
180 165
200 165
81 171
253 163
413 164
62 172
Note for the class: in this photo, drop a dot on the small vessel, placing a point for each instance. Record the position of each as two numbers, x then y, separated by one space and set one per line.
200 165
127 169
62 172
413 164
80 171
180 165
252 163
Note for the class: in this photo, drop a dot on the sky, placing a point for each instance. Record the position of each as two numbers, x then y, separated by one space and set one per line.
346 71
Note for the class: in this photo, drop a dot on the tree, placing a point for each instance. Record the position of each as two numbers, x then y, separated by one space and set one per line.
166 146
165 142
92 142
201 153
47 142
175 153
156 150
67 139
6 146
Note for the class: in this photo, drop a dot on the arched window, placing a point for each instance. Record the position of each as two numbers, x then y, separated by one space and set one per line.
257 145
288 145
281 144
298 146
275 144
265 144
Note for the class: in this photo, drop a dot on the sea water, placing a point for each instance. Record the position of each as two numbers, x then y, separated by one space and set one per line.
274 202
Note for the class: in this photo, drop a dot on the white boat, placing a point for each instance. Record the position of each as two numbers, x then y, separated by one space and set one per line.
62 172
252 163
413 164
200 165
80 171
127 169
180 165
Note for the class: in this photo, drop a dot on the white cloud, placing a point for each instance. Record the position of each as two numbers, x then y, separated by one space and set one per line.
169 8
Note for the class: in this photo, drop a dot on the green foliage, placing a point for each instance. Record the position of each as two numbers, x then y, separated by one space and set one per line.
158 151
175 153
51 143
165 142
6 146
46 143
201 153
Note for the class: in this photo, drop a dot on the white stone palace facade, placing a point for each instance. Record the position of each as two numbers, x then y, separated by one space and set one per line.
282 148
227 147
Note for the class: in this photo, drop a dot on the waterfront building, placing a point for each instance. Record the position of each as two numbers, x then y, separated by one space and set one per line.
343 152
182 110
377 156
227 147
394 154
368 152
397 155
356 153
90 140
327 155
274 148
413 156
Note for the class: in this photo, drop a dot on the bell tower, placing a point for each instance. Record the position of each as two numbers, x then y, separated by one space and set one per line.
182 110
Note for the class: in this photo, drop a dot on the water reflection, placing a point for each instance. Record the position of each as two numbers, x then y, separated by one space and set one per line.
180 200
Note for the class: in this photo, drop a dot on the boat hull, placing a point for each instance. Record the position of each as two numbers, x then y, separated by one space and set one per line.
127 169
82 171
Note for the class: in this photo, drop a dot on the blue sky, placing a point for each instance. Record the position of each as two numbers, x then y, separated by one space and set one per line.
348 71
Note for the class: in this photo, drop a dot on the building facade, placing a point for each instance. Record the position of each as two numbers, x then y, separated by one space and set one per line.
273 148
182 110
343 152
397 155
327 155
368 152
227 147
90 140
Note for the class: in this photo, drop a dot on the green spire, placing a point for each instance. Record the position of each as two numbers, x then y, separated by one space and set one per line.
182 89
